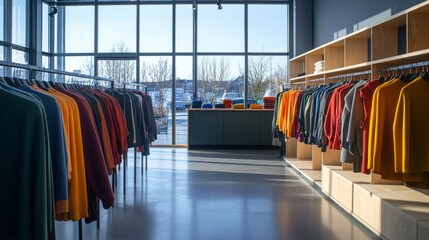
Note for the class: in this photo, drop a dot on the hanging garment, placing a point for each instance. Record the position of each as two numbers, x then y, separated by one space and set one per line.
380 137
346 124
366 94
58 149
355 129
333 115
96 171
410 130
78 198
28 209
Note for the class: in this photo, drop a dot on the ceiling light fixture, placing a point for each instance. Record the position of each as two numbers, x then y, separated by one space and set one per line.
219 5
54 10
194 5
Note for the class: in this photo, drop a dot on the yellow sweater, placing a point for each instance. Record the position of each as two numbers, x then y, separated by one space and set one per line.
410 128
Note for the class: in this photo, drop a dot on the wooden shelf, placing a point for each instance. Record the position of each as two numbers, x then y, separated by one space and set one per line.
388 207
297 79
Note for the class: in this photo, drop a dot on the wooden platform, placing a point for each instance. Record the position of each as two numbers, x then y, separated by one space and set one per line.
306 169
391 211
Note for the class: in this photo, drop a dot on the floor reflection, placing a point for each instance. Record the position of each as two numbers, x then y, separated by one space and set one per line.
245 194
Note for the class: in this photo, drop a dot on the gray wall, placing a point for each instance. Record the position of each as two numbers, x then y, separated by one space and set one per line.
303 26
335 18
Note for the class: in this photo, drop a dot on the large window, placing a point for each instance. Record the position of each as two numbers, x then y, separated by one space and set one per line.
156 28
133 41
117 28
221 30
79 29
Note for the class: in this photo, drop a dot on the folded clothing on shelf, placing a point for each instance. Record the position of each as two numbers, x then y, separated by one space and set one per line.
255 106
238 106
319 66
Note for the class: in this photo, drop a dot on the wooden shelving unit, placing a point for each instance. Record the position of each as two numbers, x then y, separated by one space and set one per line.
400 40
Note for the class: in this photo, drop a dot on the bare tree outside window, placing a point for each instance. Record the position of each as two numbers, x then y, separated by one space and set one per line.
279 76
212 75
159 74
259 77
117 70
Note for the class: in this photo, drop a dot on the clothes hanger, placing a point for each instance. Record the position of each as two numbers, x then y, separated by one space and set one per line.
425 74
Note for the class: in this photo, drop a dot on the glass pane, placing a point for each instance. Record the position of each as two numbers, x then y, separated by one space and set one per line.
218 75
45 62
118 70
266 74
268 39
84 65
79 29
221 31
60 9
1 53
183 96
1 20
156 74
184 30
45 28
19 30
156 28
117 28
20 56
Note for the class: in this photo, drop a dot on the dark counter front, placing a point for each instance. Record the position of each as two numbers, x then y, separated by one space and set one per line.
230 128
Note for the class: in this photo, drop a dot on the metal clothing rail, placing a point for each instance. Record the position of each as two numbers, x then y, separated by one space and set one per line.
406 66
124 84
345 75
53 71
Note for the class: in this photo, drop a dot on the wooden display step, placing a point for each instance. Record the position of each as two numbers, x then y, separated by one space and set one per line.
423 230
339 183
305 167
397 212
393 211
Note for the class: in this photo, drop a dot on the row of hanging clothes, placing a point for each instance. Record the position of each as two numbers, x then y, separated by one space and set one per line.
58 144
140 118
378 125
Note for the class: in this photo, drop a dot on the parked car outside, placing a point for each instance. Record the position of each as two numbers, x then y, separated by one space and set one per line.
230 95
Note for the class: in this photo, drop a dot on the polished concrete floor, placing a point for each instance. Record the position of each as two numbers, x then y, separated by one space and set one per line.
217 194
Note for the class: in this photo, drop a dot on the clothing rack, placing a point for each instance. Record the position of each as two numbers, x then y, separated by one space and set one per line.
317 80
348 75
53 71
138 85
59 72
407 66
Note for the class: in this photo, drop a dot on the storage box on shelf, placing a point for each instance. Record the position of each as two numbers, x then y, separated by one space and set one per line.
388 207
